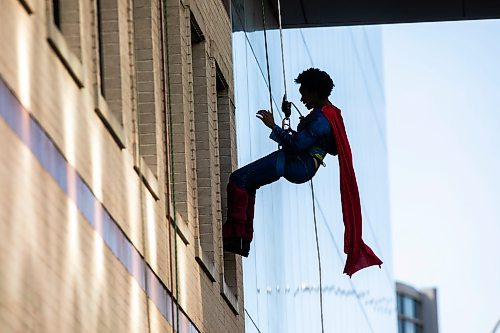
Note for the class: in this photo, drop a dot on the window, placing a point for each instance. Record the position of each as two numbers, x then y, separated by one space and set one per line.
206 146
228 162
109 60
409 314
111 66
410 327
409 307
149 84
400 325
400 304
66 18
64 35
56 13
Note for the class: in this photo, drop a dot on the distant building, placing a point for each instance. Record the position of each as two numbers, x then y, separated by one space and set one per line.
417 309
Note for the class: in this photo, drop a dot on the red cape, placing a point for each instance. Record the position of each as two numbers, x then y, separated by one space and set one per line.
359 255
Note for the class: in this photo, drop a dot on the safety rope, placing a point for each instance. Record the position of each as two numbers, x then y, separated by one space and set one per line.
319 256
289 104
267 57
281 43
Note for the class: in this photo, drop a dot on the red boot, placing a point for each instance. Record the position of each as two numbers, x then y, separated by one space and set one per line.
250 213
234 231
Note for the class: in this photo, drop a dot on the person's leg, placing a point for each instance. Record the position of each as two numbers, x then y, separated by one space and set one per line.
263 171
243 183
300 168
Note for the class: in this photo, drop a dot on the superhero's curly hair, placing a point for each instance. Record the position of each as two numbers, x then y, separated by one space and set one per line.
317 81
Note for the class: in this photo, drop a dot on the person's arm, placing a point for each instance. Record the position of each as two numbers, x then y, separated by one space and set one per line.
297 142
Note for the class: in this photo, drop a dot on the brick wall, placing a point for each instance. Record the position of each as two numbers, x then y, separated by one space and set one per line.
58 272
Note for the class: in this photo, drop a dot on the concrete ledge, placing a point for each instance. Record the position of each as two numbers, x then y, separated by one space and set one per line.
27 5
68 58
182 227
206 264
114 127
148 178
229 296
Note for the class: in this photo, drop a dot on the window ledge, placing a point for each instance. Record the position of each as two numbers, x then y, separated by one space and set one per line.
148 178
69 59
205 263
229 296
27 5
111 123
182 227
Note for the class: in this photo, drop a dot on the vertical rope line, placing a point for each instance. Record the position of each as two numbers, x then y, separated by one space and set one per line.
267 57
282 52
319 258
175 315
311 182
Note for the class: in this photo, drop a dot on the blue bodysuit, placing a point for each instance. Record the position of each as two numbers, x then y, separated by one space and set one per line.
301 154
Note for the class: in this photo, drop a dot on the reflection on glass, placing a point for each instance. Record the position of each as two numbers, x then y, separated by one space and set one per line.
409 308
410 327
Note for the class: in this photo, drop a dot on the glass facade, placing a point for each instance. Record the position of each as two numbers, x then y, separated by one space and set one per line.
281 281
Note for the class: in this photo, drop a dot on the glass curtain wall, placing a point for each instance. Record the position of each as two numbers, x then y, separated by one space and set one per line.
281 281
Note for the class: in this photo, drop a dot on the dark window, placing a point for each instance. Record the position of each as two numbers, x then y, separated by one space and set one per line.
109 63
400 304
196 33
101 48
56 13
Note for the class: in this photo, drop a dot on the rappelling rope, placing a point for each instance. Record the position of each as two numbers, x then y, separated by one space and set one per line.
281 43
319 257
271 104
267 57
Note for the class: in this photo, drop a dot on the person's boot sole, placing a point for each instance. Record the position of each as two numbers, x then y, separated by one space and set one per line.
237 246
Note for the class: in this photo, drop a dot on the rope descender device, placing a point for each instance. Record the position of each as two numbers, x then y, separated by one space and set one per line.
286 108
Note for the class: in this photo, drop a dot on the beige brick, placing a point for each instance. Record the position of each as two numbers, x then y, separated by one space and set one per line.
65 278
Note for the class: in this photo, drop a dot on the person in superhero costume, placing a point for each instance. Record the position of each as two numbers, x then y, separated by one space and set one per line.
319 133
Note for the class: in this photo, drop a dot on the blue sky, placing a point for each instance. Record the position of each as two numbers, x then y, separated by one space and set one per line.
442 84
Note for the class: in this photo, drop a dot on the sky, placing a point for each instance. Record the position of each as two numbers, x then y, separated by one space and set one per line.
442 84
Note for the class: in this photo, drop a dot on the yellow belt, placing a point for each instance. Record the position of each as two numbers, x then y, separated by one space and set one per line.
318 160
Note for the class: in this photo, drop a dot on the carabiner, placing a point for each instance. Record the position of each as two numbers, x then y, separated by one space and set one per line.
285 124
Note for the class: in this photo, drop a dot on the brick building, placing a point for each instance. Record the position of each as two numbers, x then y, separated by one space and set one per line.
117 131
